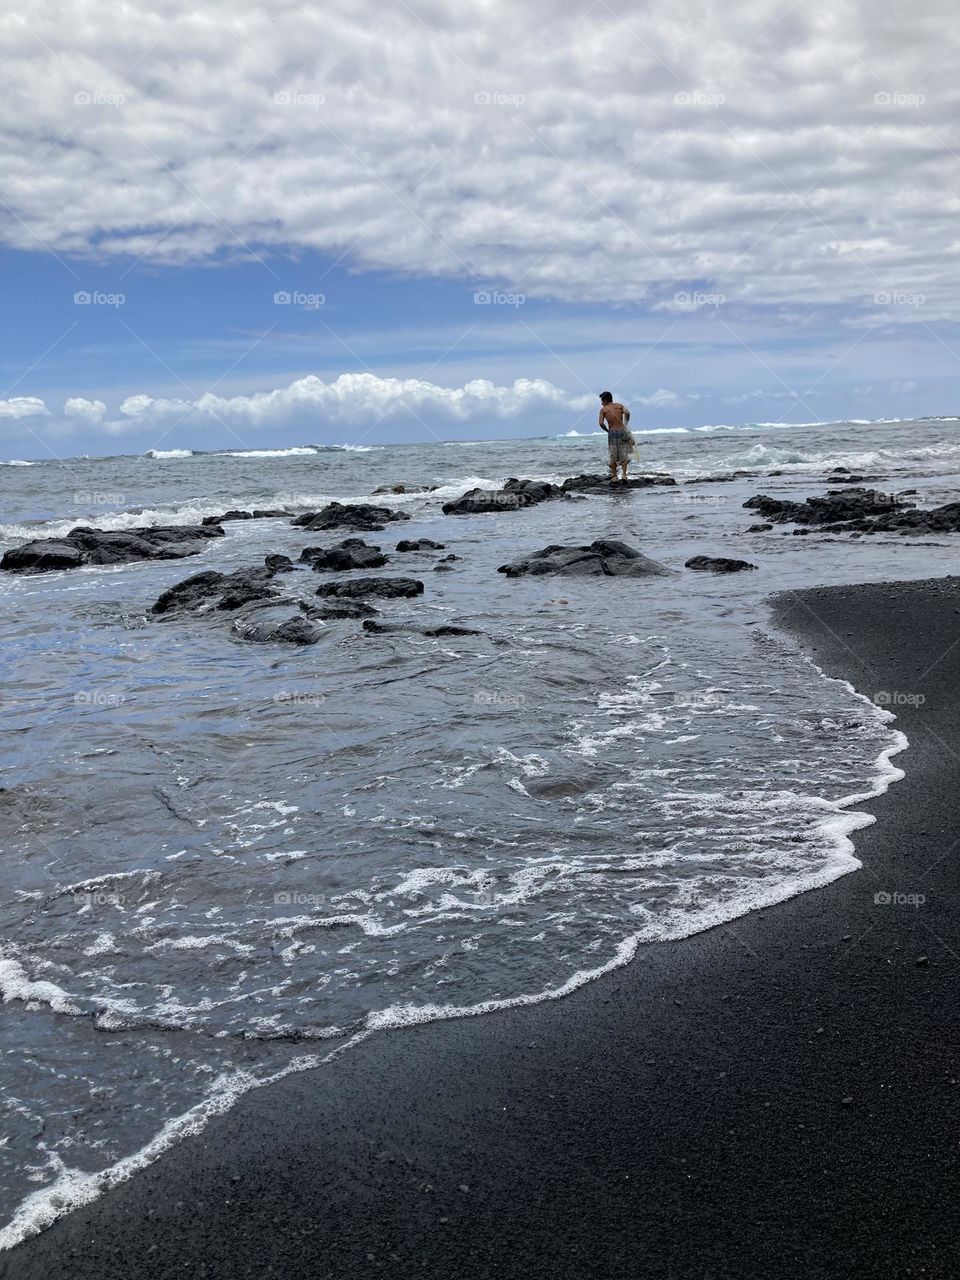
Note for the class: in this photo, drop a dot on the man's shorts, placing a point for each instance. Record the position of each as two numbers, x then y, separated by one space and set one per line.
620 444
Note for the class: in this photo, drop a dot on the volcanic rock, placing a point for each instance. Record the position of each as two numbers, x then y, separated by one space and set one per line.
718 564
602 558
83 546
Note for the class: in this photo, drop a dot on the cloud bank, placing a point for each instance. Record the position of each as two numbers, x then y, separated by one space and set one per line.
359 403
775 154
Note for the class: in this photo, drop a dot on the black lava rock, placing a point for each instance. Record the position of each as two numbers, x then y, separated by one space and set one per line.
599 559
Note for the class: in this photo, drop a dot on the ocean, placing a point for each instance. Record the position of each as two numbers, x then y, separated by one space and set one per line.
225 861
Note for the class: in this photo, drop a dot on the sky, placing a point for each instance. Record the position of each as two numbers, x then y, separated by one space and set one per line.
381 221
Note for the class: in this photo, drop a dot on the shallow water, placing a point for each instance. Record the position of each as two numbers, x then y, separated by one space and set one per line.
218 851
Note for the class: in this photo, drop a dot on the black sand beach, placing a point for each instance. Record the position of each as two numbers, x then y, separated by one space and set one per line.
779 1097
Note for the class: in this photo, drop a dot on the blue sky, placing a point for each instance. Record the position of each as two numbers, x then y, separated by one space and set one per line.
756 225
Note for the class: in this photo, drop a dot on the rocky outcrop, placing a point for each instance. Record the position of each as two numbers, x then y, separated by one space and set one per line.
256 514
514 495
419 544
229 591
83 546
859 510
352 553
717 564
601 484
599 559
362 588
279 564
835 506
337 515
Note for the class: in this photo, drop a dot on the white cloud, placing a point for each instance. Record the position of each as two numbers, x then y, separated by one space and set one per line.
664 399
360 401
776 154
23 407
91 411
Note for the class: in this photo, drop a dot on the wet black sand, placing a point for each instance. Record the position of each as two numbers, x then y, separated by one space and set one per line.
776 1098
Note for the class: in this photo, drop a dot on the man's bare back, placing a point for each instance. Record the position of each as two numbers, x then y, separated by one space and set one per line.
614 416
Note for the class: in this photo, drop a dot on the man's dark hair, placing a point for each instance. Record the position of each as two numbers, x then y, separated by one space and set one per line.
606 397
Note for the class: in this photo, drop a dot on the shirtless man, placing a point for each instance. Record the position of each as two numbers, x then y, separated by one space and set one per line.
614 418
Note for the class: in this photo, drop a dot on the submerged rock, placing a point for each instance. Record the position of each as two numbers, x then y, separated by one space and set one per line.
352 553
405 488
600 559
293 630
83 546
445 629
717 564
419 544
362 515
360 588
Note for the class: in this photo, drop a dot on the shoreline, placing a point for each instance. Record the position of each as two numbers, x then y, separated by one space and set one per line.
628 1161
